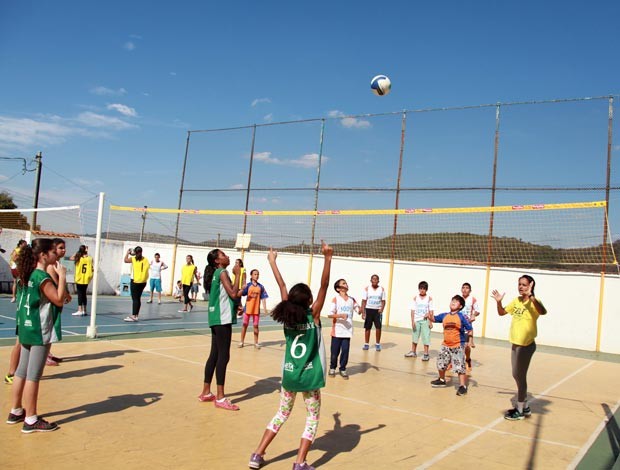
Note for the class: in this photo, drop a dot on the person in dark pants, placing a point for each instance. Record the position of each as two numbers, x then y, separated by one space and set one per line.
341 313
139 275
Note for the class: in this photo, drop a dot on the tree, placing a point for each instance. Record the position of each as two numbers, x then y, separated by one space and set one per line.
11 219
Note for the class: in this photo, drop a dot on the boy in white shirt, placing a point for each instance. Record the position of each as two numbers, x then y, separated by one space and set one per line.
373 303
421 307
156 267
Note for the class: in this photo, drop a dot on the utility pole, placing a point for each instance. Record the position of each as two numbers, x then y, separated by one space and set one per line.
35 204
143 222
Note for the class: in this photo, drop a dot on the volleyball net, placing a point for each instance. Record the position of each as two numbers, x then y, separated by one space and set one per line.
567 236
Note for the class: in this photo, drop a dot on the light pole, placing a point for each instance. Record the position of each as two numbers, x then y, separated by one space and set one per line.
143 221
37 184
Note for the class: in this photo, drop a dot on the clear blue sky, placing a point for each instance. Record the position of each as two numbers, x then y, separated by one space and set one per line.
107 91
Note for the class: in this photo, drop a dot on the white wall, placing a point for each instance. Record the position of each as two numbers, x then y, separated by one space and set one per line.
572 299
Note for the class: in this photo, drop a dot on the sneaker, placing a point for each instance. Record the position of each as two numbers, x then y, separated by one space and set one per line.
514 415
462 390
14 419
240 345
527 412
226 404
12 300
377 347
366 347
40 426
411 354
438 383
50 362
256 461
130 319
302 466
149 301
258 345
332 372
208 397
77 314
8 379
344 375
426 357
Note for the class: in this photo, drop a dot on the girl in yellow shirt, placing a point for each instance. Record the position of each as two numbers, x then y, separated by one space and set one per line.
525 311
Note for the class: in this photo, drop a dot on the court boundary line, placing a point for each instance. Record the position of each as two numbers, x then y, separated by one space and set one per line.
593 437
362 402
492 424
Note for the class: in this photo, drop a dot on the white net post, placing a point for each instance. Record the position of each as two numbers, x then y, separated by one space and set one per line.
91 331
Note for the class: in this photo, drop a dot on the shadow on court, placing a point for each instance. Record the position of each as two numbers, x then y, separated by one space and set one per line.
260 387
110 405
101 355
273 343
82 372
361 368
338 440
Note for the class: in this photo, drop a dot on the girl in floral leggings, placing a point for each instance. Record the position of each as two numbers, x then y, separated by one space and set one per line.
304 359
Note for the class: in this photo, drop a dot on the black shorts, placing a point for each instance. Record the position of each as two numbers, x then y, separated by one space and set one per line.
373 317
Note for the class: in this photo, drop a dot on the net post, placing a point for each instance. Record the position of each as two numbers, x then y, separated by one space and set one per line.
91 331
485 309
403 131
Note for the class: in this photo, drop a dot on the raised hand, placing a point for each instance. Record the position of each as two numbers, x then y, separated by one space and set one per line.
326 249
497 296
272 255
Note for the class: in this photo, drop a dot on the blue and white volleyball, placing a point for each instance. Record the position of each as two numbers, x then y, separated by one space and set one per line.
380 85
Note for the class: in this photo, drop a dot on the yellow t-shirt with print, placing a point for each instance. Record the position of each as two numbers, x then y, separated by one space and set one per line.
84 270
140 270
524 316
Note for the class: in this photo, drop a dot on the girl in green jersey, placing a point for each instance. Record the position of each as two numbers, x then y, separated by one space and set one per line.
304 359
38 326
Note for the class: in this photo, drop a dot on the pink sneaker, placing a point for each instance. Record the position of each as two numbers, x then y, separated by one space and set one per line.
209 397
226 404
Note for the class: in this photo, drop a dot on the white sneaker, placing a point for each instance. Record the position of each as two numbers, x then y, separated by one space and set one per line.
77 314
240 345
149 301
257 345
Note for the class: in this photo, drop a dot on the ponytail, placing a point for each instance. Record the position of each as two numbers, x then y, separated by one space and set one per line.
81 252
210 269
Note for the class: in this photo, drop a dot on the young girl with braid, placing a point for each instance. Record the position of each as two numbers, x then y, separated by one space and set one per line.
222 316
525 311
304 359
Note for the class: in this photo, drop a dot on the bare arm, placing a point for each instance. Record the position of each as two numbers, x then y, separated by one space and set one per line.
127 258
498 298
56 295
233 292
317 306
273 254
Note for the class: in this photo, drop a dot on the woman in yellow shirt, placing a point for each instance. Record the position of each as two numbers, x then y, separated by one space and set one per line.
189 272
525 311
139 275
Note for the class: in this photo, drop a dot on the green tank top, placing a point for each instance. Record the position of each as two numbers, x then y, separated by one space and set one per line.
221 309
38 319
304 359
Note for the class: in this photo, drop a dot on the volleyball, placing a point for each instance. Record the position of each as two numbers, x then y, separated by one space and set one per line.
380 85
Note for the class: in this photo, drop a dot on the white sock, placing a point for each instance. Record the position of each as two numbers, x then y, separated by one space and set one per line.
520 405
221 400
31 419
17 411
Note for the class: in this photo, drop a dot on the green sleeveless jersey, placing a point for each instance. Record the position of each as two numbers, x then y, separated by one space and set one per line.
221 309
38 319
304 359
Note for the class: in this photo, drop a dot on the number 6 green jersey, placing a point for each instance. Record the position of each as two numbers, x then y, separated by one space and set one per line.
304 360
